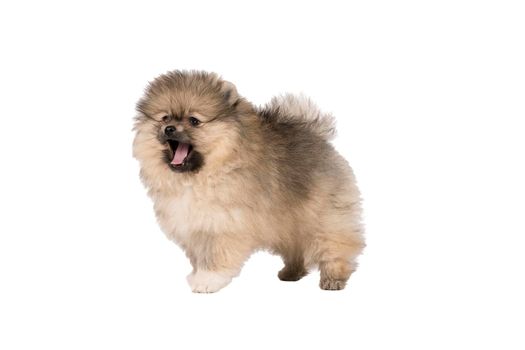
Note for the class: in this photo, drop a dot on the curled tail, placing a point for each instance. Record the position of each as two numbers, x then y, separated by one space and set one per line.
299 109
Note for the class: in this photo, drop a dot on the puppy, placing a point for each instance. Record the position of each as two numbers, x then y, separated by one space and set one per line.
228 178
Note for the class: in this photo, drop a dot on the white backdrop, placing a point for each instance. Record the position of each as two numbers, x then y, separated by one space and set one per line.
429 99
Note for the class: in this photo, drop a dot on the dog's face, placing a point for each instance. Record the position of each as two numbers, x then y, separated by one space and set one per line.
190 117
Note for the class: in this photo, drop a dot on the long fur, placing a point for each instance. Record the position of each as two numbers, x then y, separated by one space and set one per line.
302 112
269 180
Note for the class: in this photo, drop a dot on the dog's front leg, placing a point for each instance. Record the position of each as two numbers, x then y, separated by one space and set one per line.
216 259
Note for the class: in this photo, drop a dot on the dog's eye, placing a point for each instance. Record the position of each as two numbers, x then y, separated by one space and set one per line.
166 118
194 121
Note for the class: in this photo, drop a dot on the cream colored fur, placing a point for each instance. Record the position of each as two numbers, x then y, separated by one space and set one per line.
239 201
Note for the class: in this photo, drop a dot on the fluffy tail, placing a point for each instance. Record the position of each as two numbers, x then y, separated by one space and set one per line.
299 109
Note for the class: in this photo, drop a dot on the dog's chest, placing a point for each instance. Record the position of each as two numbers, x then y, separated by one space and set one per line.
191 211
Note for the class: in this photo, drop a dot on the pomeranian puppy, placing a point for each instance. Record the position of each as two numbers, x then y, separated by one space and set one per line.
228 178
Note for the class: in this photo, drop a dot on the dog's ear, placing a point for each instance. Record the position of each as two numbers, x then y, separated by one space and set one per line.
230 94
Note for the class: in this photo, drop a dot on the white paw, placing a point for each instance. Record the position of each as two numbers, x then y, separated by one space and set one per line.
204 281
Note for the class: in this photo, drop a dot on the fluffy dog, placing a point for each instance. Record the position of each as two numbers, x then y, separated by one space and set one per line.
228 178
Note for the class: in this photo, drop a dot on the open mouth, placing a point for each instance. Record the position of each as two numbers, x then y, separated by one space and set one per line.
181 153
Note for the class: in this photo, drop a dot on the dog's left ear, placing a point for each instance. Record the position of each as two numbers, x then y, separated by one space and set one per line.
231 96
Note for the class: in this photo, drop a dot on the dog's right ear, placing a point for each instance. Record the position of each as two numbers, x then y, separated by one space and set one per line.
230 94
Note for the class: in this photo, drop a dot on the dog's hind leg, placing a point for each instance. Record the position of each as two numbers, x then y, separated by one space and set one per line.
337 260
294 268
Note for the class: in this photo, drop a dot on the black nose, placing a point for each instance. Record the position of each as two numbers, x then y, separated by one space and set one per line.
169 130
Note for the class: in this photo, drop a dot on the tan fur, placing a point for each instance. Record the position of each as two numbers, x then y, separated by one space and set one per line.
255 190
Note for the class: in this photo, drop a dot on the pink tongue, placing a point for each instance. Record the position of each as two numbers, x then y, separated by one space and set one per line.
180 153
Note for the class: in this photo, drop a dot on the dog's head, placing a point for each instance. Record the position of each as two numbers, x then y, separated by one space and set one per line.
187 119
